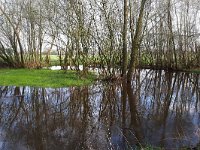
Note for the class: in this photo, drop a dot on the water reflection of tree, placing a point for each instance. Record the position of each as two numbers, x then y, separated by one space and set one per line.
135 124
48 119
158 108
170 101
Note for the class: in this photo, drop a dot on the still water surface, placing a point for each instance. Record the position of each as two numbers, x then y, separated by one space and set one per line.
158 108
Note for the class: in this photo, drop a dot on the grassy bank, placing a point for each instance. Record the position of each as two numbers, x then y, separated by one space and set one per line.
194 70
42 78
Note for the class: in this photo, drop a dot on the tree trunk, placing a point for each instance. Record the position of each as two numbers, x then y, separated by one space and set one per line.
136 39
17 35
124 52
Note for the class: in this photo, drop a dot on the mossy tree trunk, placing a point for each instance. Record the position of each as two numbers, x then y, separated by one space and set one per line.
136 40
124 52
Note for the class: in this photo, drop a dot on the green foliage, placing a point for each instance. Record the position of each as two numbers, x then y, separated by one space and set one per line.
146 59
43 78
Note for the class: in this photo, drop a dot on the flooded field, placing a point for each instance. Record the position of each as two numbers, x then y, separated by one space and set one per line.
158 109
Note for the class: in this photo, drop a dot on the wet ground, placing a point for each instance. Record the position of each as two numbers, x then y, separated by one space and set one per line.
158 108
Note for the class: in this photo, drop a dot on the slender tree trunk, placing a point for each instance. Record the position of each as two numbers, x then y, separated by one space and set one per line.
171 38
124 52
136 39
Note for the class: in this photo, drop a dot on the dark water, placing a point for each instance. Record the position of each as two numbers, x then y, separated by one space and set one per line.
159 108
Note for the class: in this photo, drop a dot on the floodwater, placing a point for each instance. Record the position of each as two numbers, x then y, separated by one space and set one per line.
158 108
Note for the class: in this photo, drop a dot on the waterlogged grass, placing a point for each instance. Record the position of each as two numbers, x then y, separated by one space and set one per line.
195 71
152 148
43 78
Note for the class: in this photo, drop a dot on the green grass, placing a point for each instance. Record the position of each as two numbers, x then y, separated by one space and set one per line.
42 78
152 148
54 59
195 71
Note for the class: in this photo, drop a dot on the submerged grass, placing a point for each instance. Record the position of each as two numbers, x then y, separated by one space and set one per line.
195 70
43 78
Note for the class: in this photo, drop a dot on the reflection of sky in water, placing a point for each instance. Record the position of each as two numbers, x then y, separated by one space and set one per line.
94 115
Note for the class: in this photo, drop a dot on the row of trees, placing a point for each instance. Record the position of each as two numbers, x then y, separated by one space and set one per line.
114 34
